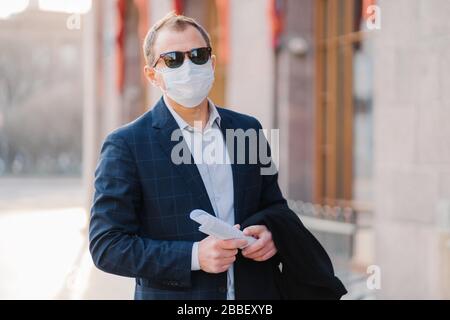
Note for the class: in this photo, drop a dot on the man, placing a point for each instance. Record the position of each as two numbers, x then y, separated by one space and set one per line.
140 225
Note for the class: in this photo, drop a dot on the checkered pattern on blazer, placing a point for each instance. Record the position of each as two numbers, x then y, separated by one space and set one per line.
140 225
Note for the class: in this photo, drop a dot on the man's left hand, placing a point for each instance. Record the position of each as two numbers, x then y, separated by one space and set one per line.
263 248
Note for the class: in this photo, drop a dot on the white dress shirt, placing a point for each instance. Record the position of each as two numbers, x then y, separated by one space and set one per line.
210 154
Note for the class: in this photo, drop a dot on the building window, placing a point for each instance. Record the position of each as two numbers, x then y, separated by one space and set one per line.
343 105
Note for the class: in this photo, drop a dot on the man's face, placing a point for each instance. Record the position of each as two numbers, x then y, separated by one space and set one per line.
169 40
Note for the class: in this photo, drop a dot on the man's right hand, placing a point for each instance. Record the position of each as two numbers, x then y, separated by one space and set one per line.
216 256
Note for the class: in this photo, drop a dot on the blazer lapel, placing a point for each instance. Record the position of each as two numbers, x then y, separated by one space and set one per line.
227 123
164 122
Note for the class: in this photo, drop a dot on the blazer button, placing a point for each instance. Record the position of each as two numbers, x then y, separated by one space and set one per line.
222 289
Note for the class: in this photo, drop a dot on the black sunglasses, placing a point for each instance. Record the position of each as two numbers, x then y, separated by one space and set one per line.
175 59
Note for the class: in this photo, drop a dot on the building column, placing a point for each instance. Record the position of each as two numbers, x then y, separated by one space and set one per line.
102 105
250 73
101 114
158 9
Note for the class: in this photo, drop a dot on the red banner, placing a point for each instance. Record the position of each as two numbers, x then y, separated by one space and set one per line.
367 4
178 6
120 44
223 46
276 20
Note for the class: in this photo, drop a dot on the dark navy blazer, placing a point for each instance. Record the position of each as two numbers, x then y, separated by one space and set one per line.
140 225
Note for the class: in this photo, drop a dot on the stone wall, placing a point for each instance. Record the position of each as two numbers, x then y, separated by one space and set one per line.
412 147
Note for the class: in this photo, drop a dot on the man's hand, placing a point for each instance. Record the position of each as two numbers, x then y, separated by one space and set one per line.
264 248
216 256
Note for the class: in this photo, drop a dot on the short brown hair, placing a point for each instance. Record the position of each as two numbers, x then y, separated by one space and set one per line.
174 22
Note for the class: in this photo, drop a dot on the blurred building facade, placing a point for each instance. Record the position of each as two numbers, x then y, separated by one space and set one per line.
33 140
361 110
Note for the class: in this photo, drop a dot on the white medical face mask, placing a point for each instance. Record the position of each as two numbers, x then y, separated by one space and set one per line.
189 84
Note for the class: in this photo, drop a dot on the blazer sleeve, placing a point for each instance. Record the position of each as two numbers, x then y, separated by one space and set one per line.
114 240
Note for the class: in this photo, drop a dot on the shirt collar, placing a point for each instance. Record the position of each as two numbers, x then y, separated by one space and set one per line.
214 116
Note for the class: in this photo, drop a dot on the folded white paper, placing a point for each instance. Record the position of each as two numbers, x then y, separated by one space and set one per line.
215 227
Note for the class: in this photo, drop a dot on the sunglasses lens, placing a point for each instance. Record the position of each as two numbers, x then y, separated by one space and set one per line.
173 59
200 55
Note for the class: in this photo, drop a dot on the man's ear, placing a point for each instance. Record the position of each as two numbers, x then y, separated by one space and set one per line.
150 74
